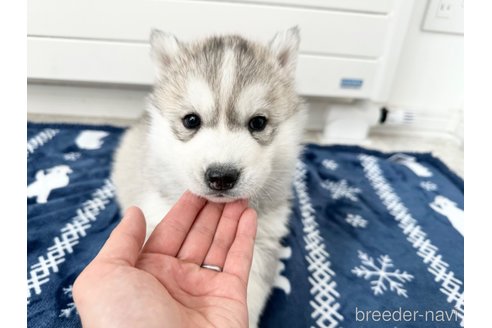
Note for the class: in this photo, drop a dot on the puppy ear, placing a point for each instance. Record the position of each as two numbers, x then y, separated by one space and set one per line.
164 47
285 46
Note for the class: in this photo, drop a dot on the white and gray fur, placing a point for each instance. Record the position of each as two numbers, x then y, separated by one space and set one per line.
226 80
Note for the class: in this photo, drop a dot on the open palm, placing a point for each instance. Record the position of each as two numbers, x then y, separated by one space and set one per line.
162 283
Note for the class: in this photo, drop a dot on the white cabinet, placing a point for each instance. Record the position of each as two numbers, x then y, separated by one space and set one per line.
349 48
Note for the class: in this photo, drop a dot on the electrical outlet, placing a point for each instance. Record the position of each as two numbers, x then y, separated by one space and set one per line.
444 9
445 16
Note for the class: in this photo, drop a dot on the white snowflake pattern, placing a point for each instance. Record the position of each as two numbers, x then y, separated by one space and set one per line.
329 164
428 185
394 279
73 156
341 189
70 307
67 312
67 291
356 221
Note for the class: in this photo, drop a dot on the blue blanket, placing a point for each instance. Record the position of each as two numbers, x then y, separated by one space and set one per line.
376 239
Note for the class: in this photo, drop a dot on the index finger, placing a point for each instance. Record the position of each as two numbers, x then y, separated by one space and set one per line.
170 233
240 256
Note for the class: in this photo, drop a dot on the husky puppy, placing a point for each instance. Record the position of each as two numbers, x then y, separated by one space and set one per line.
223 121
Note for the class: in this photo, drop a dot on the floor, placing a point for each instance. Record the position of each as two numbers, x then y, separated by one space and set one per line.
445 149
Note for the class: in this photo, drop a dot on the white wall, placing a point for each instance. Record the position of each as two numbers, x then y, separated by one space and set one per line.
429 79
428 84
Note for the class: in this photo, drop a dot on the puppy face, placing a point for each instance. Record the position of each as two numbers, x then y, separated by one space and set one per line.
221 111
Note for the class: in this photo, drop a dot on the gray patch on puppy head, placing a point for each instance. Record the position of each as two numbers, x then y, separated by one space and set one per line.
209 55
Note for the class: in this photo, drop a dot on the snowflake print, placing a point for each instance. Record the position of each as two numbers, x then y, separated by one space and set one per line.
329 164
70 307
67 291
67 312
428 185
341 189
73 156
382 277
356 221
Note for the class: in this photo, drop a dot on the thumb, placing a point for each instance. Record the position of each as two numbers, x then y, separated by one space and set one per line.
126 240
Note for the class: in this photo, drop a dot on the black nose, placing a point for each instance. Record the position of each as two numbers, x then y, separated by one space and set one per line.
221 177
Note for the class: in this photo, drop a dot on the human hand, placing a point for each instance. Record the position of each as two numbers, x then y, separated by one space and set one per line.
163 284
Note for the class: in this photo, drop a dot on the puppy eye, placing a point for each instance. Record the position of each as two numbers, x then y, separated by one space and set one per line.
257 123
191 121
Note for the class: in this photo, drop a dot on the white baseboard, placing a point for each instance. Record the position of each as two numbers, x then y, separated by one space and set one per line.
418 133
430 124
86 101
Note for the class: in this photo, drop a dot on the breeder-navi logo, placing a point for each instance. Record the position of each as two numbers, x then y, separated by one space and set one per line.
402 315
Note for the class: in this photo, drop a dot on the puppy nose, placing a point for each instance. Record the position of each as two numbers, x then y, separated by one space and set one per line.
221 177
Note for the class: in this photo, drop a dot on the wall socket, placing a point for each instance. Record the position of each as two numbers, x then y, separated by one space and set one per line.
445 16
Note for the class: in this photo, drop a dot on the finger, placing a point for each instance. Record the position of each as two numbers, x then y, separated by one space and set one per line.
226 230
240 256
170 233
126 240
199 239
